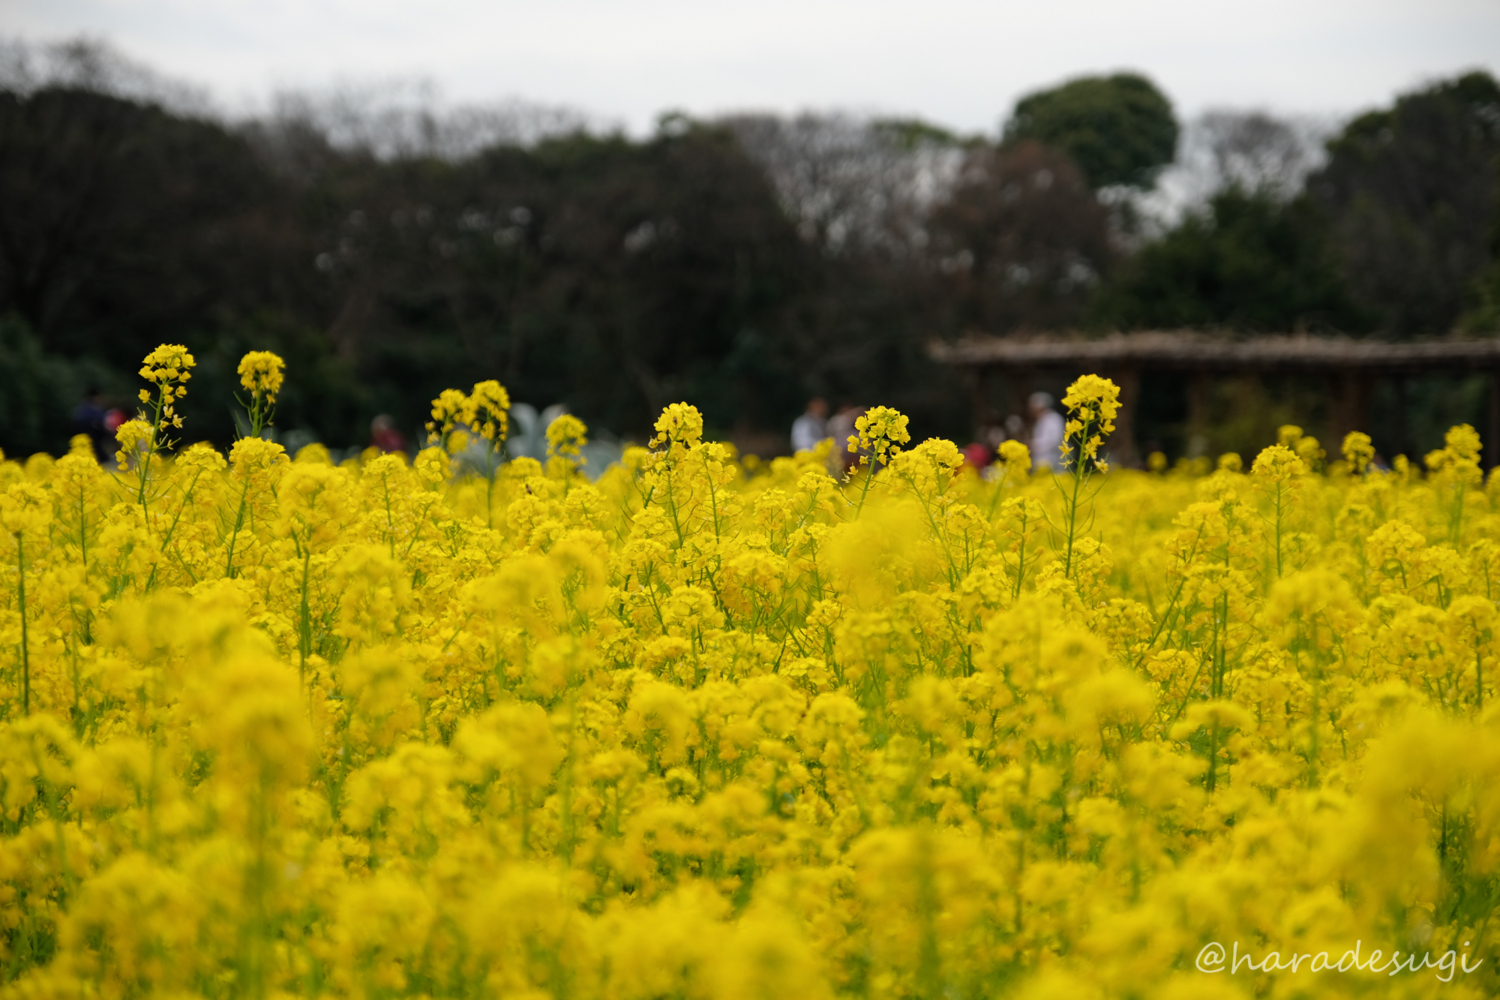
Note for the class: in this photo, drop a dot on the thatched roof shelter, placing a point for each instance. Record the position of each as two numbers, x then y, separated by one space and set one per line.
1348 365
1191 351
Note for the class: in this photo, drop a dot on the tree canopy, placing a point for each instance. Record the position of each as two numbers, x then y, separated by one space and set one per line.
1411 194
1119 129
743 263
1245 262
1021 240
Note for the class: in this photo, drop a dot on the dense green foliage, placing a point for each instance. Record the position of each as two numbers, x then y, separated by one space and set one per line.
1246 262
1119 129
1396 234
1411 194
609 274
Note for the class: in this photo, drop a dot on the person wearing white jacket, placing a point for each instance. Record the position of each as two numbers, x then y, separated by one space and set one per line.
1046 432
812 427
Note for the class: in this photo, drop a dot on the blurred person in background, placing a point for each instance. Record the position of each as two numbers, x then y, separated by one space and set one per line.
841 429
383 435
811 428
981 453
1046 431
89 418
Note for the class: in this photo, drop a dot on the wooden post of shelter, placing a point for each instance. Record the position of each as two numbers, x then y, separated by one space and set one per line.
1490 456
1400 438
979 395
1020 383
1348 407
1197 414
1122 446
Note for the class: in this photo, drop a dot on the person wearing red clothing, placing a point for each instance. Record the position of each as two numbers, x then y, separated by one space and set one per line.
383 435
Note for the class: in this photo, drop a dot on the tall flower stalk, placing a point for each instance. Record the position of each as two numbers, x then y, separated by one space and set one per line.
168 369
25 511
488 416
1093 403
879 435
261 374
566 437
458 418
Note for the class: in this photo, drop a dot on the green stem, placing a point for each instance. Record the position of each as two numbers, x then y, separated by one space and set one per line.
304 630
1478 677
869 477
25 639
489 502
1279 501
713 494
1079 475
565 780
83 532
144 470
167 538
1312 741
668 473
1213 756
1072 520
260 415
1020 562
995 497
239 522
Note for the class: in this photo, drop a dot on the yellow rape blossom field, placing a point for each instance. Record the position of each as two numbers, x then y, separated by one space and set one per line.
706 728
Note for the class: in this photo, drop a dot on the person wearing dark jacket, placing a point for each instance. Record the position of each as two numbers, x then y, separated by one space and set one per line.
88 418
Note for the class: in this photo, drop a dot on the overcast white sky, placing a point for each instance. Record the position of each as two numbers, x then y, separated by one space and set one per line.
961 63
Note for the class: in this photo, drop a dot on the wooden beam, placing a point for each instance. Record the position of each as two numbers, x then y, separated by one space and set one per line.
1192 351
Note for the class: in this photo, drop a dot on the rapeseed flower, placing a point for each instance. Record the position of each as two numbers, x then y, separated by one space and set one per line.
566 436
1358 452
261 373
879 434
708 728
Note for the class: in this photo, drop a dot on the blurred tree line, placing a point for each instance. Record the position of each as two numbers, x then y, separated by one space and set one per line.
389 249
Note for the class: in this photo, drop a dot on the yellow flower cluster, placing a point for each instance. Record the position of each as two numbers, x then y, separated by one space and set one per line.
168 363
487 411
484 412
566 437
167 367
262 372
1359 452
271 726
134 437
678 430
1093 404
879 434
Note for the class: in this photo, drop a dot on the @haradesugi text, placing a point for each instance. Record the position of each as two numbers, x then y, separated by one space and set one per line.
1213 957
